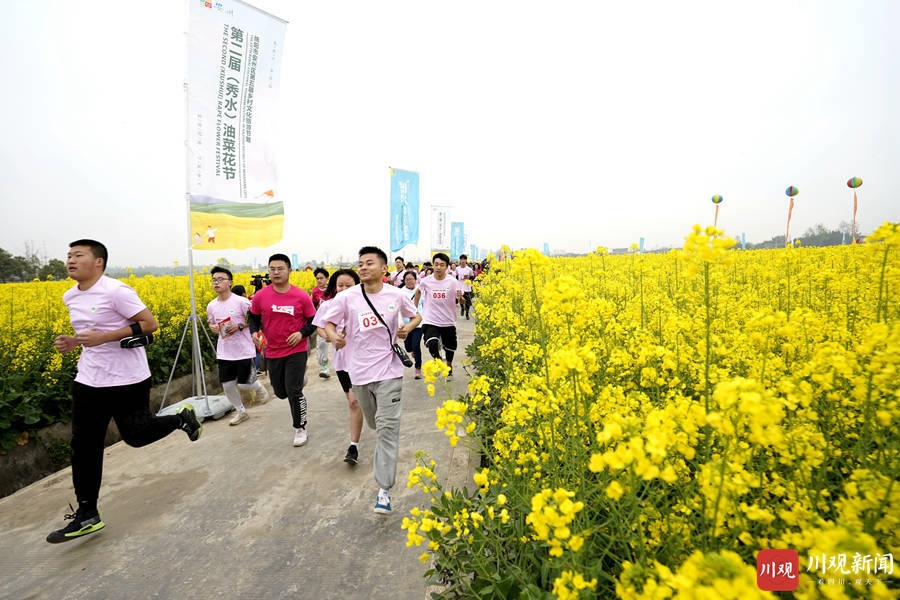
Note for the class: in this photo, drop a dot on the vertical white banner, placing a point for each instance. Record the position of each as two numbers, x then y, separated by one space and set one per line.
234 59
440 228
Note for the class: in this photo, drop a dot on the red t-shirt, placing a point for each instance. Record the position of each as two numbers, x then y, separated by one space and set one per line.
317 295
282 315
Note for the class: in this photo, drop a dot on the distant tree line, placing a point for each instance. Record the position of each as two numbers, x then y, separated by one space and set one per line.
814 236
29 267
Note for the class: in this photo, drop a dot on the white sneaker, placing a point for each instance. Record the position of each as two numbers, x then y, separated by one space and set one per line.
383 503
263 396
239 418
300 437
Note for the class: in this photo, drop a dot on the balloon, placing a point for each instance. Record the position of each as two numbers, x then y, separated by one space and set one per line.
717 199
854 182
791 191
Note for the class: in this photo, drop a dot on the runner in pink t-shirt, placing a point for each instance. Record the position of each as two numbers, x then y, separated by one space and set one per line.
341 280
465 274
113 382
375 370
235 351
284 313
440 293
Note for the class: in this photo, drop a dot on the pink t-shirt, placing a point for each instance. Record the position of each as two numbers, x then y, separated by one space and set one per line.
237 345
282 315
109 304
339 355
370 357
439 298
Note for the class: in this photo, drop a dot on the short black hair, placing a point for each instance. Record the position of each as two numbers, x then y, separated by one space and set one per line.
374 250
408 273
441 256
463 256
398 258
282 257
97 249
239 290
218 269
321 270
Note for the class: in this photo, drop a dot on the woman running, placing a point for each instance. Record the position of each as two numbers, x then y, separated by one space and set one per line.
341 280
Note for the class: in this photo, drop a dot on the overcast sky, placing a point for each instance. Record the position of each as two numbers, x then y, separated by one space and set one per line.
578 124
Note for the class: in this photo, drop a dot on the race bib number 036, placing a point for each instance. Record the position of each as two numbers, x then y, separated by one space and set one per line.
368 320
439 294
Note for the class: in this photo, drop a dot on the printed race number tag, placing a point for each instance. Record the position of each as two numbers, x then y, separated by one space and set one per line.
439 294
368 320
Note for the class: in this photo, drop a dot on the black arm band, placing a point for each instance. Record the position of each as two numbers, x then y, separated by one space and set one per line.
136 329
308 329
254 321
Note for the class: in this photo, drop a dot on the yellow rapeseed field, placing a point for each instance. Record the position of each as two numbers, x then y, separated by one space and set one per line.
35 388
648 423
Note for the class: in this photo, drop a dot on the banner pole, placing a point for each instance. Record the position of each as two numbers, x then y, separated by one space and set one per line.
196 352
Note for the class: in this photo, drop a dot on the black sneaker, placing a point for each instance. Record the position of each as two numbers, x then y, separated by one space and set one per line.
352 455
189 423
82 524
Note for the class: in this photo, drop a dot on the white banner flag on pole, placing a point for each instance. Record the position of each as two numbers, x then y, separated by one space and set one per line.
234 62
440 228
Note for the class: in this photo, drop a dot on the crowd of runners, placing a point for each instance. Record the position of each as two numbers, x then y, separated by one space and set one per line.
357 320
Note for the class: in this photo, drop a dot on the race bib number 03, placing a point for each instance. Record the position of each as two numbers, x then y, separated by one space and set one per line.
439 295
368 320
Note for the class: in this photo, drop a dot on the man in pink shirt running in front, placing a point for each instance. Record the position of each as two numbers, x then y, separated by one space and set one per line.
375 371
113 380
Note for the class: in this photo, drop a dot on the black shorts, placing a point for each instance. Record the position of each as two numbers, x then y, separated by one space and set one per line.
447 335
344 379
242 370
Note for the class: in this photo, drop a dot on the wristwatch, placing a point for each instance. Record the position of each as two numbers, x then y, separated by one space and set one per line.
240 326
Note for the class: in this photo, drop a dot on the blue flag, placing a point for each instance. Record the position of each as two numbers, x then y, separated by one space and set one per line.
404 209
457 239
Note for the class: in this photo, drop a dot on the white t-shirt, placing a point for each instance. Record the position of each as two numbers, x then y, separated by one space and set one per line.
370 357
109 304
237 345
465 274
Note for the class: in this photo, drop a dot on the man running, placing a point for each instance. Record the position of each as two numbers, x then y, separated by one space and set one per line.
376 372
465 274
440 293
113 381
235 351
284 313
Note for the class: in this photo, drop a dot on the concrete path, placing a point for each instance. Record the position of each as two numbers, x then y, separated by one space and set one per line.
240 513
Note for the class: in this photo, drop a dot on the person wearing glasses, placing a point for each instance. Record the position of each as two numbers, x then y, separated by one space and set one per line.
284 313
235 351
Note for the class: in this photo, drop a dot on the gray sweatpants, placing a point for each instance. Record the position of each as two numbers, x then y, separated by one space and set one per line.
381 406
322 352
